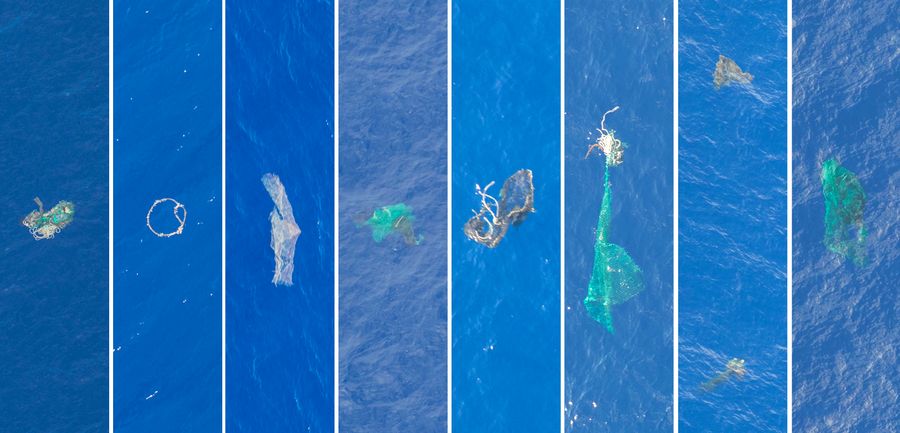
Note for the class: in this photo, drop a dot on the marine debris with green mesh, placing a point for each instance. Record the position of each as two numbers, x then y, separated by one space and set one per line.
45 225
615 277
396 218
845 201
490 224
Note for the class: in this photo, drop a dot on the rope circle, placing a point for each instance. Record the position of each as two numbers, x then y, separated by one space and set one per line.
181 218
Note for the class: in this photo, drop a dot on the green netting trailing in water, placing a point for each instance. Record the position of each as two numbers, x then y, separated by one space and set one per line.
396 218
845 201
615 277
45 225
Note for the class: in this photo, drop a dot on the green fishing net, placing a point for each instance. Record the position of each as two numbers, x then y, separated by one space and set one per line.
45 225
845 201
396 218
615 277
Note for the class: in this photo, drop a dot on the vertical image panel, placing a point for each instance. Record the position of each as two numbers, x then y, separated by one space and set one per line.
846 263
619 204
732 175
167 236
393 216
279 216
54 121
506 216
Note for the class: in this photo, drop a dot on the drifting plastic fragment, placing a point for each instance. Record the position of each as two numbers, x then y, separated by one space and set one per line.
728 72
735 367
285 231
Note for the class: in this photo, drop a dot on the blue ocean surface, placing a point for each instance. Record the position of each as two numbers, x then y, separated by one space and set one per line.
506 300
53 144
167 136
620 382
279 120
733 218
846 95
393 149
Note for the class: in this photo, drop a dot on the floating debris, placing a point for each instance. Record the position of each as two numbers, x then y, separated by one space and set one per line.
607 143
180 217
728 72
285 231
615 278
735 367
395 218
45 225
489 225
845 201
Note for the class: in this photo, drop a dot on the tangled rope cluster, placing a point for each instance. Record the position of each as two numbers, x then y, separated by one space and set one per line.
607 143
180 217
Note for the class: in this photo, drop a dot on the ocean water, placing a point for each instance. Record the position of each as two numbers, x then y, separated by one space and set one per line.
53 144
506 300
733 217
167 131
620 382
279 119
393 296
845 107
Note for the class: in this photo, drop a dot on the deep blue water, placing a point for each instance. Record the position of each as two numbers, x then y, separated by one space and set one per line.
168 305
53 144
620 382
279 119
733 217
393 296
506 301
845 107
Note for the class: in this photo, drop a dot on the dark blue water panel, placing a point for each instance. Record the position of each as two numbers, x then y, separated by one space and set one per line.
279 120
53 144
168 305
506 300
393 149
846 95
732 218
620 382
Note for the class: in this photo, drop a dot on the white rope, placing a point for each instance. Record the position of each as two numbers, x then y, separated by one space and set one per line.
181 218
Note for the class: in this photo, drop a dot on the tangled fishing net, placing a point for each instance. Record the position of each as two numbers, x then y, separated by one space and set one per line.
396 218
489 225
845 201
615 278
46 225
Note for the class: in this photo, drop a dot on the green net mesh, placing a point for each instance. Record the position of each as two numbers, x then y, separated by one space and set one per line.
615 277
845 201
396 218
45 225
